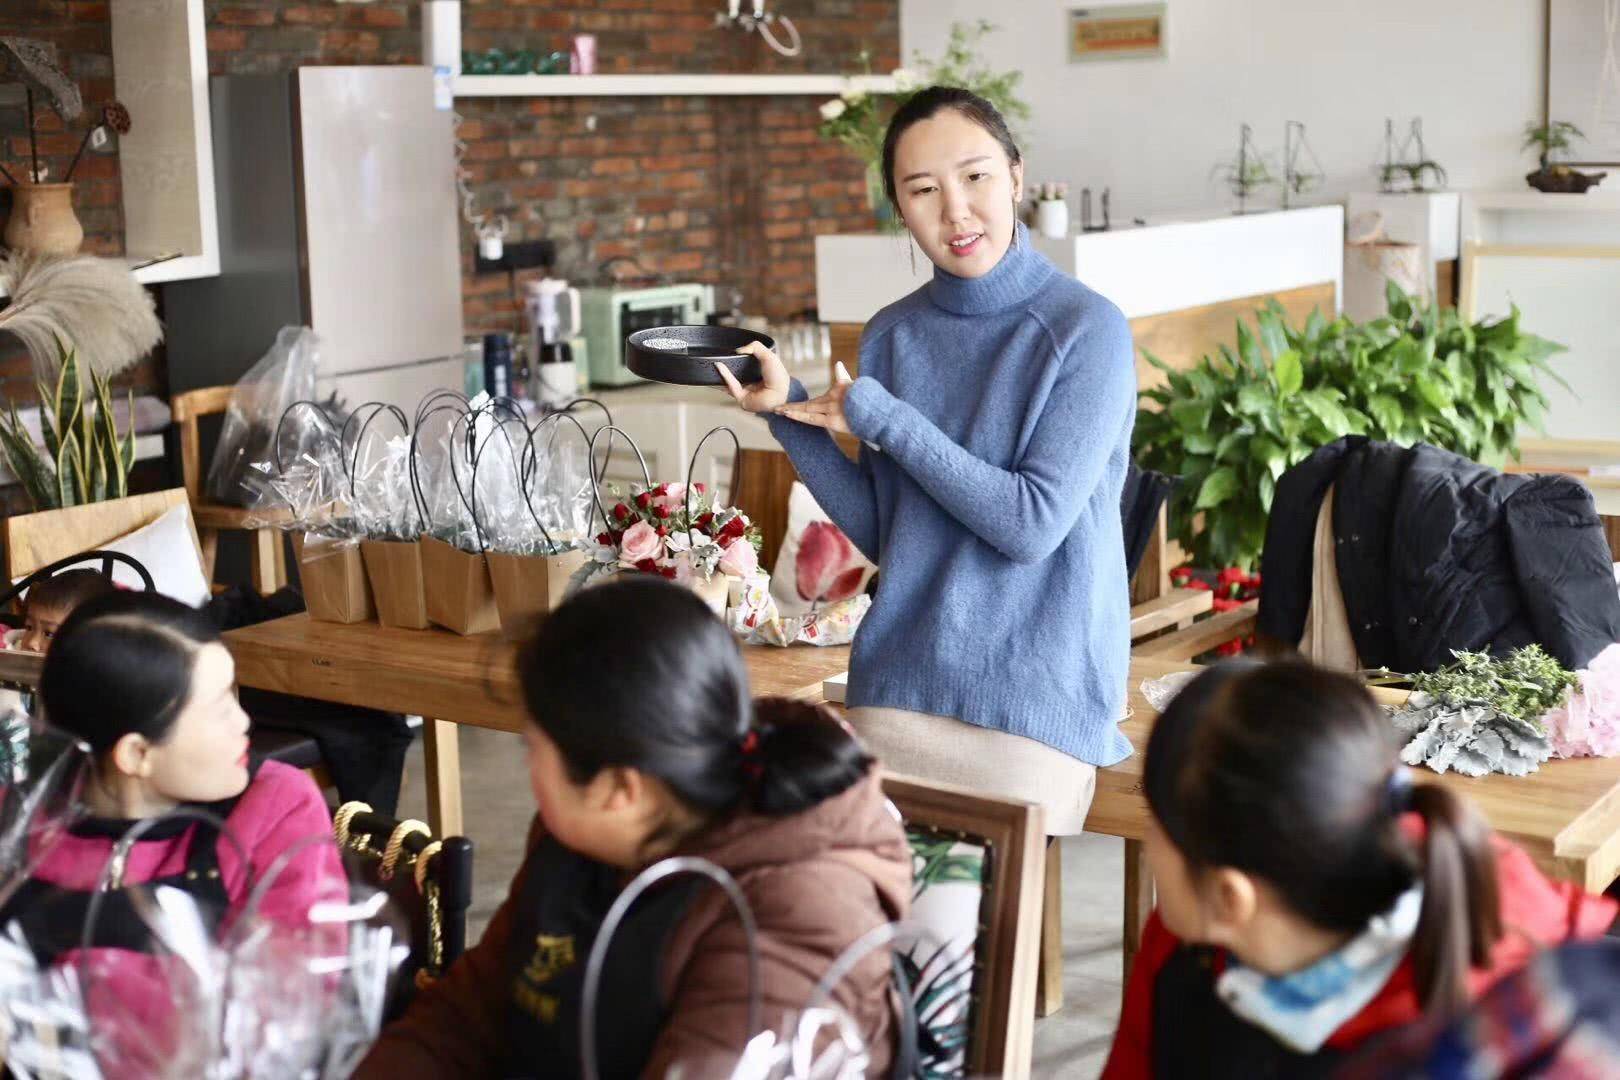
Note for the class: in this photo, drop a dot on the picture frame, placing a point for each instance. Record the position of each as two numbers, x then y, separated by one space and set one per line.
1581 87
1013 836
1118 32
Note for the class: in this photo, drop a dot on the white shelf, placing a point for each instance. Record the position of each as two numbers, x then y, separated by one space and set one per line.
661 85
185 268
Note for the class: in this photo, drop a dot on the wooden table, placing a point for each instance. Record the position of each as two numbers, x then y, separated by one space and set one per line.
1566 815
448 680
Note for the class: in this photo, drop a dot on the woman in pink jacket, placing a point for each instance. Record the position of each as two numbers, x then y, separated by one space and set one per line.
146 682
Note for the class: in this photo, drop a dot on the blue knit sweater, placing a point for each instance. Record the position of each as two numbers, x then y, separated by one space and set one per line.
1001 410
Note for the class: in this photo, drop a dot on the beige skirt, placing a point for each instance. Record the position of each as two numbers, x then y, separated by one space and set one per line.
993 762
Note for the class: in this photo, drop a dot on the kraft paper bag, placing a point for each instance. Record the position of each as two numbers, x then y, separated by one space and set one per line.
458 590
528 587
395 570
333 578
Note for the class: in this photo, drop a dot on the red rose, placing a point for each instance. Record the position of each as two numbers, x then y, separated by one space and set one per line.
661 512
1230 648
604 538
704 521
699 488
621 511
644 500
1198 585
1223 604
1254 580
662 531
667 571
661 489
1230 576
734 528
647 566
1181 573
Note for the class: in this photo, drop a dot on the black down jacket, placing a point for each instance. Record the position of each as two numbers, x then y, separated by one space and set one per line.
1436 553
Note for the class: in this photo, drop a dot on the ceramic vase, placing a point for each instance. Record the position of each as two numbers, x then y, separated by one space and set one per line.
1052 218
42 220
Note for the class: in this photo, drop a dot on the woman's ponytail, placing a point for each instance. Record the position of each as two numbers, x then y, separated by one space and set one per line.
798 754
1461 917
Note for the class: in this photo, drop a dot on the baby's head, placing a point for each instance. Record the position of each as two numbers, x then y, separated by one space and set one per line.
51 601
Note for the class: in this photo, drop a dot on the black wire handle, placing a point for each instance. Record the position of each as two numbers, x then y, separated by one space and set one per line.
529 457
435 397
374 407
326 424
477 453
596 478
359 440
460 410
530 463
692 465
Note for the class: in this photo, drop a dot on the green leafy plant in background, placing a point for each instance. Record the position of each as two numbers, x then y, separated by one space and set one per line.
1230 425
85 459
859 119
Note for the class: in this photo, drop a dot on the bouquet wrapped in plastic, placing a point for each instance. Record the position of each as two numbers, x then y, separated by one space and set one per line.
159 983
678 531
535 515
310 482
1587 722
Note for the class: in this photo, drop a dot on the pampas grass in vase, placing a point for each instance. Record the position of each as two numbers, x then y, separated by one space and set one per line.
94 304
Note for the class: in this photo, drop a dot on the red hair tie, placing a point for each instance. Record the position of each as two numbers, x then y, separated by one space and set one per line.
753 768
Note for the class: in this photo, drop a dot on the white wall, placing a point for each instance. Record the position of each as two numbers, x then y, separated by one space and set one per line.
1152 130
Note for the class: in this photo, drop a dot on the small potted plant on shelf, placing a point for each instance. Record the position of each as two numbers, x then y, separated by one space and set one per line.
1551 140
1052 210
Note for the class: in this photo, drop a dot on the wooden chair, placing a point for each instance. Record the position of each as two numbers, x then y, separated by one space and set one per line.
760 486
1008 834
431 881
269 554
38 540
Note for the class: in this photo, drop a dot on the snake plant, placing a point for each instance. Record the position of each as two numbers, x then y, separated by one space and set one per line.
85 459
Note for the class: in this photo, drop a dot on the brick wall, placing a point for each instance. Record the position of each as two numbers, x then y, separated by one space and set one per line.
723 190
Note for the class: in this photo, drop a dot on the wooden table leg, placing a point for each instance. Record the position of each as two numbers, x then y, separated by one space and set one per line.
266 564
441 752
1049 986
208 541
1138 899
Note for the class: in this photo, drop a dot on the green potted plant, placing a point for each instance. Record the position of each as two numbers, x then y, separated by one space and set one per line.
1230 425
858 118
85 459
1551 140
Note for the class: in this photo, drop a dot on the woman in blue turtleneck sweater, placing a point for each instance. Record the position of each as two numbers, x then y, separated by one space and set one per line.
996 405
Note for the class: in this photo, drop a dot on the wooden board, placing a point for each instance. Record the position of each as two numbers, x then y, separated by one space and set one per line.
1566 815
36 540
1178 338
434 673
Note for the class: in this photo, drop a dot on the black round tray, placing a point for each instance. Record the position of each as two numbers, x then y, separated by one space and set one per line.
694 365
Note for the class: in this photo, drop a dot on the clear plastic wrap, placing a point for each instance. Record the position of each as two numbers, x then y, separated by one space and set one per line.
257 995
285 374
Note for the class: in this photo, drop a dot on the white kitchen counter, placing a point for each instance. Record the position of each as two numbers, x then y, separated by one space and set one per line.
1167 265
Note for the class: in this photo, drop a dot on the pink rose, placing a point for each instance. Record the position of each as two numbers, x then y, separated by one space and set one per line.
829 568
740 559
639 542
671 497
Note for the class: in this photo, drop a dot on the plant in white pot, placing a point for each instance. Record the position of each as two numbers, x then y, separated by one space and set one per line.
1052 210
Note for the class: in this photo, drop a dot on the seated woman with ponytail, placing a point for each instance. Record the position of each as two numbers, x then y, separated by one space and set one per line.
644 744
1310 893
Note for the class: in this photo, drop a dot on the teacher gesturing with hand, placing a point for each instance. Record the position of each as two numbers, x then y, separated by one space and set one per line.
995 404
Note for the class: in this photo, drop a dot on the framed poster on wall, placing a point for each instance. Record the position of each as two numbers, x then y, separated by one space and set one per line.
1117 32
1583 75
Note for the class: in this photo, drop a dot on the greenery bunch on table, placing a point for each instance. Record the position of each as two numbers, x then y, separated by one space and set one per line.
85 459
1483 714
1230 425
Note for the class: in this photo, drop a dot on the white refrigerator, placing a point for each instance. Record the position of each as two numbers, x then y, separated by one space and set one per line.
338 211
